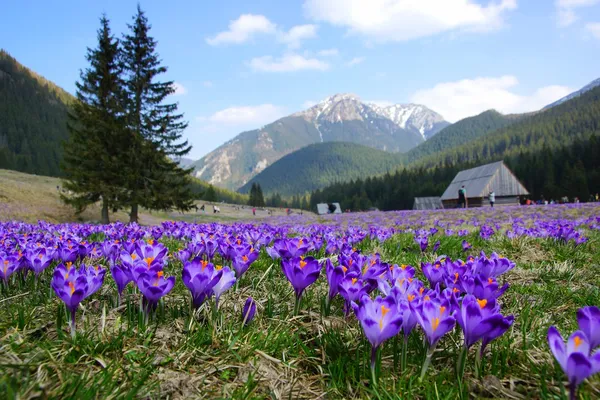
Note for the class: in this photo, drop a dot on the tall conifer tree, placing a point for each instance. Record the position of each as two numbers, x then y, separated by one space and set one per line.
95 152
155 181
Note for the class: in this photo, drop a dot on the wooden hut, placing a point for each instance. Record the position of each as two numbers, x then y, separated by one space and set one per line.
427 203
478 183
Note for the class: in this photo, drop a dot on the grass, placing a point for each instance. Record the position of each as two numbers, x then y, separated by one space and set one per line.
180 354
31 198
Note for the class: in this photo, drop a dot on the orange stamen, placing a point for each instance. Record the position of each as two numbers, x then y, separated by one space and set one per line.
482 303
435 323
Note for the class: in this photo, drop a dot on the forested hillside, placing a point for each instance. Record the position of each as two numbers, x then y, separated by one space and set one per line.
554 153
33 120
578 118
318 165
462 132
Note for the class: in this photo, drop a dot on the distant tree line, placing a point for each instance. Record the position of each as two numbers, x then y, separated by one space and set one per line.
124 134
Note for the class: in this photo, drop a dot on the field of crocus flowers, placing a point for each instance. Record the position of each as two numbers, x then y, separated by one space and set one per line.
480 303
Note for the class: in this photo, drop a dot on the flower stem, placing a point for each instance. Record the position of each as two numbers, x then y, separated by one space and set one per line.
374 365
462 361
572 391
478 356
427 361
297 305
72 324
395 352
404 351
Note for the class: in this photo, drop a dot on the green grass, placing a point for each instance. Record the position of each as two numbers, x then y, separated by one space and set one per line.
180 354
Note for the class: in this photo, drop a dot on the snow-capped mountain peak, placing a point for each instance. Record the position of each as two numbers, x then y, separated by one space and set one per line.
414 117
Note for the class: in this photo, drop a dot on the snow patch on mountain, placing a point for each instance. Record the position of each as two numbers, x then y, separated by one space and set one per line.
415 117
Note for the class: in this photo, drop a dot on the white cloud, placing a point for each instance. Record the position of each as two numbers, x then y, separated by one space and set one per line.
355 61
468 97
243 29
400 20
246 115
179 89
594 29
207 84
288 63
294 37
565 10
309 104
328 52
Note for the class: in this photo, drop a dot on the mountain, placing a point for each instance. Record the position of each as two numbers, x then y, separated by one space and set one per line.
338 118
584 89
413 117
33 119
321 164
462 132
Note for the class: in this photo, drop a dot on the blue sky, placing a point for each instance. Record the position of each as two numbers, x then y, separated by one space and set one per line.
242 64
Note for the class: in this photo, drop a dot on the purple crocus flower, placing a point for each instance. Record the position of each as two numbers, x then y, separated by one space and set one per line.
291 248
588 319
225 282
433 272
274 254
380 320
200 277
352 288
248 311
184 255
39 260
436 246
301 273
8 265
334 276
477 317
151 254
242 262
423 242
574 358
483 288
466 245
435 317
122 276
72 285
153 285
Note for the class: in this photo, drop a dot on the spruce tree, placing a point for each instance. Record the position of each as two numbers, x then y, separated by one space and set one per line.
94 155
155 181
260 199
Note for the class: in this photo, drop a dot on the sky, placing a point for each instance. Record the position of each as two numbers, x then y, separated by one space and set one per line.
240 64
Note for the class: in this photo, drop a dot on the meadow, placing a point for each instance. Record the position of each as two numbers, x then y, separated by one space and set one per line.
303 300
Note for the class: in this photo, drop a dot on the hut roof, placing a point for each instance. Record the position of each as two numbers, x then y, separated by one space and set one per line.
481 180
427 203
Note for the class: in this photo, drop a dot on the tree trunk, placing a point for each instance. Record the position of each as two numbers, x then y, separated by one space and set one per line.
104 215
133 217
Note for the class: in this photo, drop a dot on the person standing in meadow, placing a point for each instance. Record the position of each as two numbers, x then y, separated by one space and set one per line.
462 197
492 198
